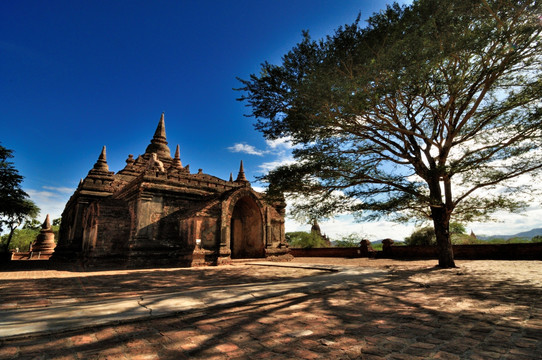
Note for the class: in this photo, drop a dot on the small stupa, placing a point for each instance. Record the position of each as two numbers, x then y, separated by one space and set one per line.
45 241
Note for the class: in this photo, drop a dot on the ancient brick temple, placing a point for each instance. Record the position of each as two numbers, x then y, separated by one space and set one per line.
155 211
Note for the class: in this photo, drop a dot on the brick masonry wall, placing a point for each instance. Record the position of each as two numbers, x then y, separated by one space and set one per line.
351 252
472 252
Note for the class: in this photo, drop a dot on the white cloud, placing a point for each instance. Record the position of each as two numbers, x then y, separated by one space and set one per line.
509 224
281 150
65 190
284 143
50 200
268 166
247 149
259 189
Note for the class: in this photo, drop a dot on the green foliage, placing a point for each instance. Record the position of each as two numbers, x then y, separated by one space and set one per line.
350 240
422 236
15 207
464 239
22 238
514 240
32 224
389 118
302 239
457 228
536 239
426 236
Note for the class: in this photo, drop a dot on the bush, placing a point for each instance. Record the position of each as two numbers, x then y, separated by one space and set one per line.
350 240
302 239
426 236
422 236
22 238
464 239
514 240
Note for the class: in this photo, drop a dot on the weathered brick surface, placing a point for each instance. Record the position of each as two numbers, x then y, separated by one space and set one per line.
528 251
476 312
155 211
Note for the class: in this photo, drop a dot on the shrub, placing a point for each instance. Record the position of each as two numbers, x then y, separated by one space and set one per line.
350 240
422 236
302 239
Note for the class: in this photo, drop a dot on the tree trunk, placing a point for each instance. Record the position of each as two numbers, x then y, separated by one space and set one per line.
9 239
441 222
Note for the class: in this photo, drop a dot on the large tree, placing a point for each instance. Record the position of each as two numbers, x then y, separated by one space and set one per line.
15 207
417 114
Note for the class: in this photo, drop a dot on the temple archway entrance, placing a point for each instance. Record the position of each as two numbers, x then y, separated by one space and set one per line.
246 230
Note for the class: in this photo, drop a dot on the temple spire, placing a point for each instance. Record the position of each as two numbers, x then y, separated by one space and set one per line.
47 223
177 152
177 159
101 164
158 143
103 155
160 132
315 227
241 176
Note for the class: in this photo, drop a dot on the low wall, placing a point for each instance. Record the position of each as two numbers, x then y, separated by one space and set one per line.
30 256
468 252
350 252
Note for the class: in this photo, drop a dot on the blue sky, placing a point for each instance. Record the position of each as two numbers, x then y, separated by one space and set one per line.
77 75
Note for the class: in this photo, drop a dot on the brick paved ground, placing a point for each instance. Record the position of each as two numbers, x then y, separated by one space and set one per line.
37 288
483 310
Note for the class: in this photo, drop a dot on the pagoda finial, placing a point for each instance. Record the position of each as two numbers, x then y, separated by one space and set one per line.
47 223
103 155
160 129
158 143
241 176
177 152
101 164
177 159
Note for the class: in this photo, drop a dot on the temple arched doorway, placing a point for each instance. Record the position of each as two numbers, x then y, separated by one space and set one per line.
246 230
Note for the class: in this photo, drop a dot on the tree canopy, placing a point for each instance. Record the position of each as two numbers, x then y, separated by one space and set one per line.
416 115
15 207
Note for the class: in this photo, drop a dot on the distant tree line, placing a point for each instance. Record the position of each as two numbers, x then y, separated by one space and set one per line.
423 236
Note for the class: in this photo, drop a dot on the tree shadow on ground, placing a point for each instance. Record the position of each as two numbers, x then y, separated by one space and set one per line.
37 288
426 313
